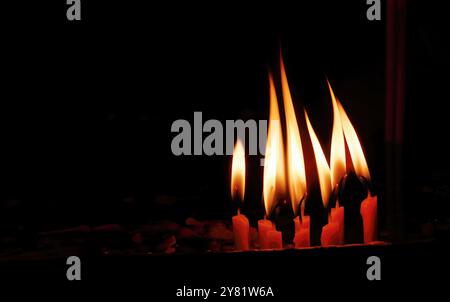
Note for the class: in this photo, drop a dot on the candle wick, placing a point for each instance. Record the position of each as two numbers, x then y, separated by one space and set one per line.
239 211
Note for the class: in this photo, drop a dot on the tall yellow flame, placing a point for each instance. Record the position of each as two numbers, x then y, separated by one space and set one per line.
354 146
337 156
295 162
274 173
238 171
323 170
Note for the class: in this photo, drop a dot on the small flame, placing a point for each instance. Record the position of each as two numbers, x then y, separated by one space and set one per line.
354 146
295 162
238 171
323 170
337 156
274 174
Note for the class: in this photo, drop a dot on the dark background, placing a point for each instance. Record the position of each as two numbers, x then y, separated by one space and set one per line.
87 106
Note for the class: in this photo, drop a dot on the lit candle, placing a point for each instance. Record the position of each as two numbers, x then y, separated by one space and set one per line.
295 164
274 173
297 224
302 231
274 239
241 226
241 229
369 216
368 207
333 232
264 226
323 172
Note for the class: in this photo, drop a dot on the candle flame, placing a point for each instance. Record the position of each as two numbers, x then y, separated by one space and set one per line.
354 146
238 171
323 170
296 181
274 174
337 156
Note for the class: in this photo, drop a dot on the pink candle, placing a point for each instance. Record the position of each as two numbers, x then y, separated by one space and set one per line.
241 229
369 216
274 239
264 226
301 238
333 232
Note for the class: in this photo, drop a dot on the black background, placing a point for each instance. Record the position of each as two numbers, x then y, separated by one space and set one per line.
86 107
90 103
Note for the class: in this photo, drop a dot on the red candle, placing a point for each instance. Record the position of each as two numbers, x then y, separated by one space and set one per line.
301 238
333 232
369 216
274 183
241 226
274 239
295 164
264 226
241 229
368 208
297 224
